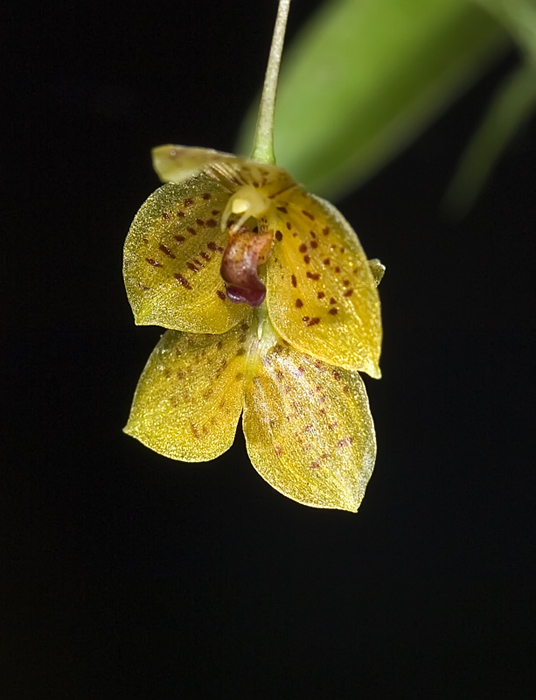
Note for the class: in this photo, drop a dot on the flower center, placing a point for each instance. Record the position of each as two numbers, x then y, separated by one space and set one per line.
248 248
245 252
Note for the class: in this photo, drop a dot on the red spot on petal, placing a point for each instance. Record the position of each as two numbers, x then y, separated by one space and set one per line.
279 235
152 262
308 214
166 250
294 281
182 280
221 294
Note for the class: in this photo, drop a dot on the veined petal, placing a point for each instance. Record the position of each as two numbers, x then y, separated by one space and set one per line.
172 259
308 428
177 163
321 293
189 397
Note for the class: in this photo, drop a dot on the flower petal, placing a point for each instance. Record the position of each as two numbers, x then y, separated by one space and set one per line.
308 429
177 163
189 397
321 293
172 259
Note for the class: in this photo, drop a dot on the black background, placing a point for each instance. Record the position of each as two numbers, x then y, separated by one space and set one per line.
125 574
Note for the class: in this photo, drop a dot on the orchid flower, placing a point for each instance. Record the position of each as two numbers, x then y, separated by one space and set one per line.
272 310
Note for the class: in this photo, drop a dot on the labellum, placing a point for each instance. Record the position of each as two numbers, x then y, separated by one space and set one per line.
246 251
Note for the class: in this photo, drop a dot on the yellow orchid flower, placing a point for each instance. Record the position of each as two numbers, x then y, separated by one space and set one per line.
273 310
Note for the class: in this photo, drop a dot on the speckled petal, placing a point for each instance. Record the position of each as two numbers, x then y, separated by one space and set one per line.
172 259
308 429
178 163
175 163
321 293
189 397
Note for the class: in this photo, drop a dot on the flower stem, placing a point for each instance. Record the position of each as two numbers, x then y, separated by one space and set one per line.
263 145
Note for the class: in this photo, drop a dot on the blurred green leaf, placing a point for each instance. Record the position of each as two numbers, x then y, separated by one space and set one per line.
511 107
364 77
519 18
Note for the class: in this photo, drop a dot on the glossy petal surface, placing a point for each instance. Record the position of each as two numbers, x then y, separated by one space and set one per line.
178 163
308 429
172 259
175 163
322 295
189 397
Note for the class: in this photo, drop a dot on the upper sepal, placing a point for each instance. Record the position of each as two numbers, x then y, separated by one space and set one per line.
172 259
322 296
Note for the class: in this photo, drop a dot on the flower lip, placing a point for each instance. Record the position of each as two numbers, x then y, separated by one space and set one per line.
245 252
251 296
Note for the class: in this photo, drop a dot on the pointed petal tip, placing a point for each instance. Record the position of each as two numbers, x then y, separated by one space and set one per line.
177 163
348 501
130 429
374 371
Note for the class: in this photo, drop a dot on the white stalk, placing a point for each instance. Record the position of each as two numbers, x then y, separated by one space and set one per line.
263 145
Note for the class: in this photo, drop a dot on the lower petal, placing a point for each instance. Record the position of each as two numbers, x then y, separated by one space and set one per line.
308 429
189 397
